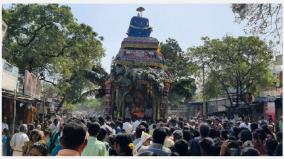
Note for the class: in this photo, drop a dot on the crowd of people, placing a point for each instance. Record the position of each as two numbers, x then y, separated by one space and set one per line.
104 136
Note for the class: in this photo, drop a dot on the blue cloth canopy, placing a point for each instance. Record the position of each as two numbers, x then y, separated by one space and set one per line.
139 27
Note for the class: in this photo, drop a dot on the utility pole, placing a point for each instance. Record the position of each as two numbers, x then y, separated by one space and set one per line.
44 109
204 113
15 106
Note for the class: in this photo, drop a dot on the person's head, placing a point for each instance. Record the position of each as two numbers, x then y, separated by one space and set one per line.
123 145
23 128
5 131
30 127
213 133
94 128
74 135
187 135
38 149
101 120
177 134
204 130
224 134
195 133
35 135
271 145
159 135
168 131
127 120
139 131
259 135
253 127
102 134
206 146
249 151
236 131
245 135
181 147
55 121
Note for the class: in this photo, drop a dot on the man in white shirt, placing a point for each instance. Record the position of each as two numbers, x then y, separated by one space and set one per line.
127 126
4 124
18 140
55 126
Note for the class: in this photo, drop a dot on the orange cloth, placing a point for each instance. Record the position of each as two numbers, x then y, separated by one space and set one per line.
30 115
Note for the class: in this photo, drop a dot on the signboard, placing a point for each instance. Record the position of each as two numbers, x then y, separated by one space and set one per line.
269 110
10 76
32 85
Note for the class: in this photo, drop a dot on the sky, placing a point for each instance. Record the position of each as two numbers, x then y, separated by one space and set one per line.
186 23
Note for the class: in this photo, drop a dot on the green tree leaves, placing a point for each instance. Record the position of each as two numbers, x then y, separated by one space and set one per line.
233 66
48 41
181 71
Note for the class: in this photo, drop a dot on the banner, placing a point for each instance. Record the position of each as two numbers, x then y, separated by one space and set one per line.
9 76
32 85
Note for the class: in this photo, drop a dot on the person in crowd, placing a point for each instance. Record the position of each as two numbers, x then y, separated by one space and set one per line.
187 135
253 127
249 151
278 151
138 134
143 143
177 135
54 145
94 147
31 127
5 142
55 126
181 147
123 145
159 136
38 149
18 141
127 126
259 137
46 135
104 125
119 126
5 123
34 137
271 145
111 150
74 138
169 141
102 136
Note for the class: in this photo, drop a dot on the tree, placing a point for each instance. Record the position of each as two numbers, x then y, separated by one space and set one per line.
48 41
180 71
261 19
236 66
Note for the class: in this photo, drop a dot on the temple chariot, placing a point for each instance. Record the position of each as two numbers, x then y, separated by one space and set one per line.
138 86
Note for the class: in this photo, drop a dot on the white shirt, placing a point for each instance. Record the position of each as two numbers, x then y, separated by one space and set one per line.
244 125
135 124
18 140
55 128
5 125
127 127
105 126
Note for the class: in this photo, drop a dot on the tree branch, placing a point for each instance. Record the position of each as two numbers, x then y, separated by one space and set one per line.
33 36
43 79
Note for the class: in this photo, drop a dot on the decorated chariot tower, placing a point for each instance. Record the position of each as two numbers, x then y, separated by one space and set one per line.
138 86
